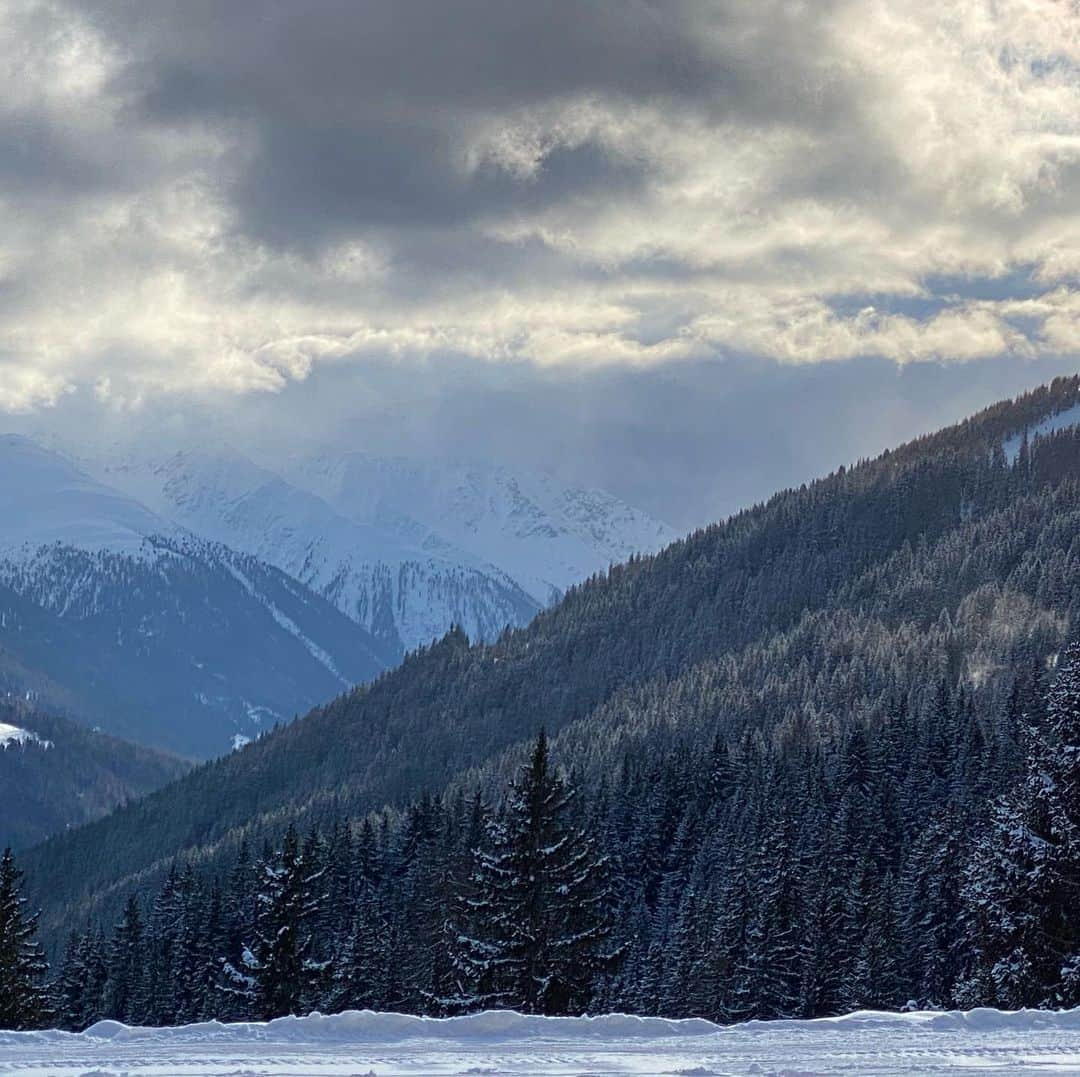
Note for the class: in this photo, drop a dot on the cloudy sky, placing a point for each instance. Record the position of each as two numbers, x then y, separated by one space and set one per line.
688 251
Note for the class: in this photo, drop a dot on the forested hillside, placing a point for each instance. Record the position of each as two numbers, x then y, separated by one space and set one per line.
904 602
56 774
930 859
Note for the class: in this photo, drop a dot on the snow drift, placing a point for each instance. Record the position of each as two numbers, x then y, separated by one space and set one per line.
515 1045
501 1026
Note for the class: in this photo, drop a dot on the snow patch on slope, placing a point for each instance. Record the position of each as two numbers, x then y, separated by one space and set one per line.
1050 425
11 735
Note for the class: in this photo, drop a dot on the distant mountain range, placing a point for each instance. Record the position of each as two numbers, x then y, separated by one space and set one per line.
405 548
194 600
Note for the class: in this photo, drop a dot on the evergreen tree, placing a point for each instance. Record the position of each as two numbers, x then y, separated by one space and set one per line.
23 1000
1022 890
539 922
285 976
128 997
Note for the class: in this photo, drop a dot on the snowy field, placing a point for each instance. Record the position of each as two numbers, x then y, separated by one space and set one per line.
392 1045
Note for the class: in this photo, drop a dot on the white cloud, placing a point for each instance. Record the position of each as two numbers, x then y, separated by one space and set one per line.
801 231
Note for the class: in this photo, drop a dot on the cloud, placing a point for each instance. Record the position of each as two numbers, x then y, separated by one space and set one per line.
688 440
201 200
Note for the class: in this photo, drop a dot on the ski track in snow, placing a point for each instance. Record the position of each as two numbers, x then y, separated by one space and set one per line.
360 1044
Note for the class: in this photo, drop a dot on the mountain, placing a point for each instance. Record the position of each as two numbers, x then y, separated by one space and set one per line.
543 535
405 593
406 548
120 618
56 774
193 600
47 501
945 570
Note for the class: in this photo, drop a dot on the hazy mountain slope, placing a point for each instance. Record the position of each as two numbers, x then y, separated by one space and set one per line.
712 629
56 774
45 500
404 594
406 548
543 535
120 618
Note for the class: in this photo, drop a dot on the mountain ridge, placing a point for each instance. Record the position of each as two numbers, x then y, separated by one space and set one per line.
406 548
117 616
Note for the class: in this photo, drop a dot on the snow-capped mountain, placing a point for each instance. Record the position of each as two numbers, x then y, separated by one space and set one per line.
126 620
45 500
544 535
404 594
405 548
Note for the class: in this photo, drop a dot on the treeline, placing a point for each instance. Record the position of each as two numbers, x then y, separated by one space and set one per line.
754 879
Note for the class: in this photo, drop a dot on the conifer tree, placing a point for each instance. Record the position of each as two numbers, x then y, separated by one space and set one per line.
284 974
23 1002
541 912
128 995
1022 890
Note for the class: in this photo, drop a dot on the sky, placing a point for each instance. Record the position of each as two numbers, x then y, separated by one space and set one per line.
687 251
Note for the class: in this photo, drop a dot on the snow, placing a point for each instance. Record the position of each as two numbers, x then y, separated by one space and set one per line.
395 544
12 734
288 624
393 1045
1051 424
539 532
374 575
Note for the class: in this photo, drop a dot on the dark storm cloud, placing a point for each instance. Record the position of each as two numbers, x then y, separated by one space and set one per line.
354 115
306 186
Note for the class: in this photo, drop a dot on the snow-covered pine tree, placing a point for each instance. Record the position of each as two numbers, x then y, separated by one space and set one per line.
285 978
767 977
1022 886
232 992
360 980
454 993
78 991
23 1002
163 927
931 910
128 998
67 988
540 910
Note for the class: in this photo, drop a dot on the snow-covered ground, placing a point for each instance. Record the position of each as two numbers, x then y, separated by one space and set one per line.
359 1044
